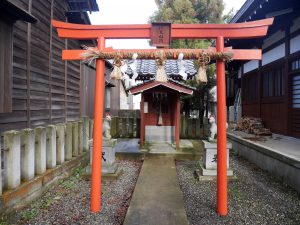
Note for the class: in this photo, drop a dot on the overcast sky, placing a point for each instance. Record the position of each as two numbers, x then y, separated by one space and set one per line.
134 12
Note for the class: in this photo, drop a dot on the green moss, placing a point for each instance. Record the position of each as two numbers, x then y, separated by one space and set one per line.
29 214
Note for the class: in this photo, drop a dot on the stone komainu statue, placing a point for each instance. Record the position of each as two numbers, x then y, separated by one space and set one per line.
106 127
213 128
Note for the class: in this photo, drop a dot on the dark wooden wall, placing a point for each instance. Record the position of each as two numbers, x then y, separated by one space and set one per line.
272 110
46 90
88 77
168 112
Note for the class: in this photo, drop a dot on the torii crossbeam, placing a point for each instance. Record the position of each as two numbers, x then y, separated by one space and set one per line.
218 32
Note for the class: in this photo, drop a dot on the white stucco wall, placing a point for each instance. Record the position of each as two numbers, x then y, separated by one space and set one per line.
123 98
274 54
277 36
251 65
295 44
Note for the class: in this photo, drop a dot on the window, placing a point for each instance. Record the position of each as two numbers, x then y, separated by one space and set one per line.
295 65
296 92
272 83
5 66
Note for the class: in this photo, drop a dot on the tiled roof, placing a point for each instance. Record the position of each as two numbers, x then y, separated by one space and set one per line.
152 83
169 80
147 69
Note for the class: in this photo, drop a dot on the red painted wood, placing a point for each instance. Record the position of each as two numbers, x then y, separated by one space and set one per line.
142 126
178 31
221 131
152 84
151 118
97 138
177 128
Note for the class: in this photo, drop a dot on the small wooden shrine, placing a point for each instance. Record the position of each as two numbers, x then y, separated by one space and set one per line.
160 110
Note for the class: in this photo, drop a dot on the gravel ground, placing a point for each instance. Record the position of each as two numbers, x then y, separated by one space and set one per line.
255 198
68 203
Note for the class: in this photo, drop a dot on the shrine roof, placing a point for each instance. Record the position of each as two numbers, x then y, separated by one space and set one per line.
171 84
146 69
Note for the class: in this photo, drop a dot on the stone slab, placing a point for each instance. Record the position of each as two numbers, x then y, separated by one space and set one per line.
280 157
128 145
106 169
108 142
160 133
105 176
158 147
210 158
212 172
198 176
207 144
157 198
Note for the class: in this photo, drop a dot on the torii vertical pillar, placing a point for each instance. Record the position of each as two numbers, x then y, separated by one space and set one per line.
221 132
97 138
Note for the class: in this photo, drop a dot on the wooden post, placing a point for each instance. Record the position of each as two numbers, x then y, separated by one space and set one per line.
221 134
177 123
142 129
97 138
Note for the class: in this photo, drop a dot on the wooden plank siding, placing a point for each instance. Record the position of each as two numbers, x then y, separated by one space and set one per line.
88 77
5 66
275 109
46 90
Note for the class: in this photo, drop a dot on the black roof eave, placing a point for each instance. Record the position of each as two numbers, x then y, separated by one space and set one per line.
14 12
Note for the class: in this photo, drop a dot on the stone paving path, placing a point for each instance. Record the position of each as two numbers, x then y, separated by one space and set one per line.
157 198
159 147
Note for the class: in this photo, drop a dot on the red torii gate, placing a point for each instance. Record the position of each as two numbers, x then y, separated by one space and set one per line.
178 31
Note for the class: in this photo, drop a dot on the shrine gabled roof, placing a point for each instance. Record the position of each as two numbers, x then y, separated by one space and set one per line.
171 84
146 69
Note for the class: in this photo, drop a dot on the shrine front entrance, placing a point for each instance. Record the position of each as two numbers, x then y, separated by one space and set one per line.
160 110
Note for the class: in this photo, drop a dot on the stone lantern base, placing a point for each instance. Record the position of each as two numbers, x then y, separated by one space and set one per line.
208 167
109 166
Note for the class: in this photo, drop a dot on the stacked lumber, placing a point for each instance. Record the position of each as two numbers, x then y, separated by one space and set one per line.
253 126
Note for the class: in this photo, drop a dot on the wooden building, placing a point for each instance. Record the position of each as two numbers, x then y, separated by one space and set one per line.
270 88
160 101
160 110
116 95
36 86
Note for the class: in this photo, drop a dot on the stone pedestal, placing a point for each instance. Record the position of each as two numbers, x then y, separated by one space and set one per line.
109 165
209 165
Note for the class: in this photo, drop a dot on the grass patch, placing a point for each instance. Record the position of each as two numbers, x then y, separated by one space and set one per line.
47 203
147 146
78 172
3 221
29 214
69 184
